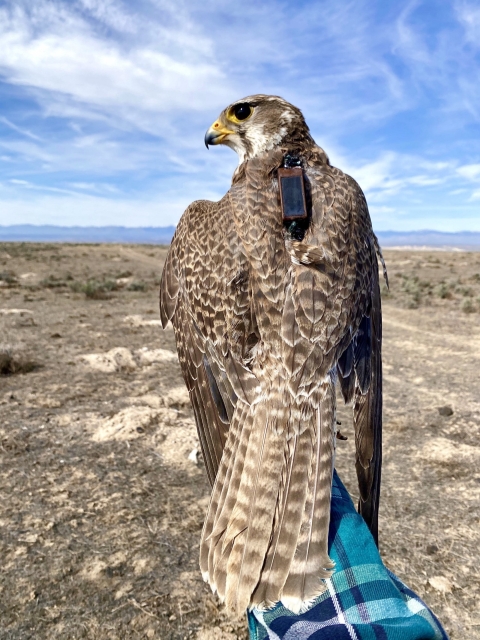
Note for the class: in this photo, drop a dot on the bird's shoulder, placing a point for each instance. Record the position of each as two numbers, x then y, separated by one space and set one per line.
337 198
196 213
318 167
203 252
204 224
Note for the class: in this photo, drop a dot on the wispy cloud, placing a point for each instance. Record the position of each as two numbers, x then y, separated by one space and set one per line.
62 56
470 171
23 132
469 16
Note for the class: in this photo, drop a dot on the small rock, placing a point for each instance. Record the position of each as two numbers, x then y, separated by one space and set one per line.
139 321
432 549
192 456
49 403
441 584
176 397
31 538
150 356
128 423
445 411
117 359
121 282
14 312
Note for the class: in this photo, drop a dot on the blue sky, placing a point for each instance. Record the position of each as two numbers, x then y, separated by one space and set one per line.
104 103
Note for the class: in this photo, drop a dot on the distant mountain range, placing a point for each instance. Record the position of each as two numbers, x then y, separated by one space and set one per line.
50 233
467 240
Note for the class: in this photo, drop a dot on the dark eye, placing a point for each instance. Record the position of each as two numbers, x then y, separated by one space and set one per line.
242 111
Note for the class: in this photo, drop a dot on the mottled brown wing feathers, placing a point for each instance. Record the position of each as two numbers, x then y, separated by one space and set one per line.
359 363
367 416
189 301
212 423
169 287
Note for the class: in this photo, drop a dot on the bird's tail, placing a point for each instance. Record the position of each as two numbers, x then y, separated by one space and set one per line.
266 534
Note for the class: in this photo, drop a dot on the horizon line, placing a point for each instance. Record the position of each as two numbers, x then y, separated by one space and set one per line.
173 226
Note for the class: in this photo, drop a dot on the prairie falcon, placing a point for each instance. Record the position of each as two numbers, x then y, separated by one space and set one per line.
268 315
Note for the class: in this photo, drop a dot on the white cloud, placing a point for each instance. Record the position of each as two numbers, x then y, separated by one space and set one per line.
95 187
377 174
25 184
28 150
470 171
112 14
61 55
469 16
424 181
393 172
23 132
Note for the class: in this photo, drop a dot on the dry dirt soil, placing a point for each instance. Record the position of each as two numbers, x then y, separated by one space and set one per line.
103 490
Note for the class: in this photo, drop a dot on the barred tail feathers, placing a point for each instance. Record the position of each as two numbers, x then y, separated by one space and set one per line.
266 534
251 521
291 506
311 562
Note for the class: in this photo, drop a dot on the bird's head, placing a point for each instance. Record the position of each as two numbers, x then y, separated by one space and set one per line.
259 123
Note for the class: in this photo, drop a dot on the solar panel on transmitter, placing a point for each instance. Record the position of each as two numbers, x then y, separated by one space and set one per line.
292 193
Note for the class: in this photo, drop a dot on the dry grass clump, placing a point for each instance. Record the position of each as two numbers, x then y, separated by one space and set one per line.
8 279
468 306
56 282
95 289
14 361
137 286
102 289
444 290
416 289
464 291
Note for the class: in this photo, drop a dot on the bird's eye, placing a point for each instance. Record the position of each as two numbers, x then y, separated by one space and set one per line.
242 111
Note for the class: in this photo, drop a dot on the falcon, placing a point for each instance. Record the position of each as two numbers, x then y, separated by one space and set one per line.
271 314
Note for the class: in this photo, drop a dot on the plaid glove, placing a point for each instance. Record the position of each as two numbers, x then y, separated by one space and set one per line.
363 600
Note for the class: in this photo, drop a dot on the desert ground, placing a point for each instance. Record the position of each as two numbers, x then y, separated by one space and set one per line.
103 490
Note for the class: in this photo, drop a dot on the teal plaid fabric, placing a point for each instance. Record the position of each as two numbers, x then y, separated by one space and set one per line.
363 601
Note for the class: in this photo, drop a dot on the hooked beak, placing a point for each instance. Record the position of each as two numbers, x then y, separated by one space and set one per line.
216 134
